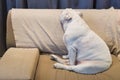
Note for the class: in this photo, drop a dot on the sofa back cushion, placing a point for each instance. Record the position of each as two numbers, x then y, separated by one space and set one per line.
41 28
106 23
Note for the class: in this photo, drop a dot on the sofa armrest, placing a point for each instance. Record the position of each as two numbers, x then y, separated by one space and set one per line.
19 64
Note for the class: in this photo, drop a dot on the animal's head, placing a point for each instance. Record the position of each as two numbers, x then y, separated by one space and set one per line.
69 14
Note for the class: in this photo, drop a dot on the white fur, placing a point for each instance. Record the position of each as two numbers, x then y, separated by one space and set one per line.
87 52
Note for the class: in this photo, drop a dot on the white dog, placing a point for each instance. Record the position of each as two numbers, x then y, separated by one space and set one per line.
87 52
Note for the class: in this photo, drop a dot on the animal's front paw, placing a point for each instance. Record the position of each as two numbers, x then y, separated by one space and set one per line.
65 56
57 65
53 57
67 62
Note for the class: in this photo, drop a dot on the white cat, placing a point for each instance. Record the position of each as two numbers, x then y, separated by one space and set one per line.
87 52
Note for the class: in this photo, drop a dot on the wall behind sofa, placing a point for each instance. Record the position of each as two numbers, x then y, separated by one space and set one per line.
6 5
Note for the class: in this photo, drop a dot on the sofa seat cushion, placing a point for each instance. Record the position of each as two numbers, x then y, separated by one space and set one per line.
46 71
19 64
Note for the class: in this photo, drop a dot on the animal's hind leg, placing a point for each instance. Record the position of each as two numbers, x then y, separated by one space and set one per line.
87 67
91 67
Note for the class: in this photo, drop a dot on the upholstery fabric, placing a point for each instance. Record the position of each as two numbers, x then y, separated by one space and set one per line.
46 71
10 39
19 64
38 30
104 22
6 5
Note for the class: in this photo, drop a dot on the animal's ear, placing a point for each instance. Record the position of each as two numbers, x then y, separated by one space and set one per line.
80 14
68 16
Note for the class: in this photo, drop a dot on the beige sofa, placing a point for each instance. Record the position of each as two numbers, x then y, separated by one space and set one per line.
106 23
